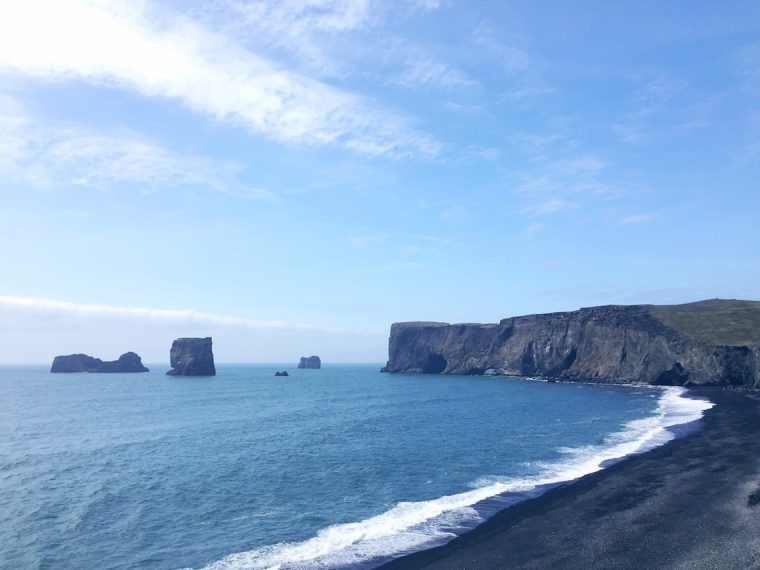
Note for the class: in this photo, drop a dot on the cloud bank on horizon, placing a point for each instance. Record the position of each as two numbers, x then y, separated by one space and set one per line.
67 324
350 163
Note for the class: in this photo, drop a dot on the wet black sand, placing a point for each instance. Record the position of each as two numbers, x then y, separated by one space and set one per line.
683 505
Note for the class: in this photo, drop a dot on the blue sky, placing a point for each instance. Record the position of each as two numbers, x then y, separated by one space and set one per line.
292 177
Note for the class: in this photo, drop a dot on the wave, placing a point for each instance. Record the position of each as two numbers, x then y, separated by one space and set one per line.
413 526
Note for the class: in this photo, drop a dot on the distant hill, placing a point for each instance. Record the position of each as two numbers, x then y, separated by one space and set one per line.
720 322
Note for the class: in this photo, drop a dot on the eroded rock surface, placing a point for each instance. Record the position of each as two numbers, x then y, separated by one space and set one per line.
310 362
192 357
127 362
615 344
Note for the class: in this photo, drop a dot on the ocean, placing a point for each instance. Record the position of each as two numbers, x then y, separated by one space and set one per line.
342 467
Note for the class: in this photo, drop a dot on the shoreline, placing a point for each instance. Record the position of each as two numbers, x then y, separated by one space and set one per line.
415 527
683 504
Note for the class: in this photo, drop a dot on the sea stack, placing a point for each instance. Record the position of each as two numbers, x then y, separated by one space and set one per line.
127 362
310 362
192 357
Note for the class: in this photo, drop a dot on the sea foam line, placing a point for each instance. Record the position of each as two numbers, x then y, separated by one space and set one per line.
412 526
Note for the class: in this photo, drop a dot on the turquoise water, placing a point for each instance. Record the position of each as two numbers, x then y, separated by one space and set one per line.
337 467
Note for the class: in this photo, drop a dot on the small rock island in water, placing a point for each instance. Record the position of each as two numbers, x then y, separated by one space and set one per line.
192 357
310 362
127 362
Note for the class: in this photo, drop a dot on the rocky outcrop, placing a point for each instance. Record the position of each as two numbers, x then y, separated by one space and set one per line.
127 362
192 357
310 362
614 344
282 373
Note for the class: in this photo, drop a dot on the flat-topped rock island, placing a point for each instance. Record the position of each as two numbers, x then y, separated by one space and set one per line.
310 362
192 357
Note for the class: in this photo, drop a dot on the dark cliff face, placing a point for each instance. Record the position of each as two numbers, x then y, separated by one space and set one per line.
615 344
127 362
310 362
192 357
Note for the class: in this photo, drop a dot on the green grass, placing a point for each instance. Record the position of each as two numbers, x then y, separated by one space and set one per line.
724 322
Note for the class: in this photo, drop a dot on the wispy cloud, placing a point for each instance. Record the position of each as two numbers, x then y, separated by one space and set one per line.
543 205
747 60
414 245
656 93
520 69
54 156
423 71
565 184
442 242
535 145
401 266
641 218
364 241
305 30
534 228
463 108
563 175
526 93
432 245
478 153
663 104
586 165
414 249
456 213
504 47
334 39
300 17
428 4
136 47
750 153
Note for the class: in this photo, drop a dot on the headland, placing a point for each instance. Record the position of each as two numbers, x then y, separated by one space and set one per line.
713 342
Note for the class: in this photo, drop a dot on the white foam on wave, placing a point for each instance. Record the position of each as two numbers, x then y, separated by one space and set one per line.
637 436
412 526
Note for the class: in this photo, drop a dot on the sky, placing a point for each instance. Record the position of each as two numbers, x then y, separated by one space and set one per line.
293 176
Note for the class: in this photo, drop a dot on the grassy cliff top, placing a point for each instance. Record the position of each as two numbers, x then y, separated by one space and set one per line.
722 322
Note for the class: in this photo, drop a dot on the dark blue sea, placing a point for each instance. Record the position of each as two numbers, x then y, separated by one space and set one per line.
332 468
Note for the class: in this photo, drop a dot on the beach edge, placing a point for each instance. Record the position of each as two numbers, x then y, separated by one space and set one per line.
640 511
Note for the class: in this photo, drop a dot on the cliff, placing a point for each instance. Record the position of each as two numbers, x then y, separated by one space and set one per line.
127 362
707 343
310 362
192 357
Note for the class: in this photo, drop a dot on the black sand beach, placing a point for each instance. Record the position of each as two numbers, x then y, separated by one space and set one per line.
684 505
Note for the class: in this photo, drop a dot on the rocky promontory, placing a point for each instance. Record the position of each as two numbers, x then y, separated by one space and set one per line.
714 342
310 362
192 357
127 362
